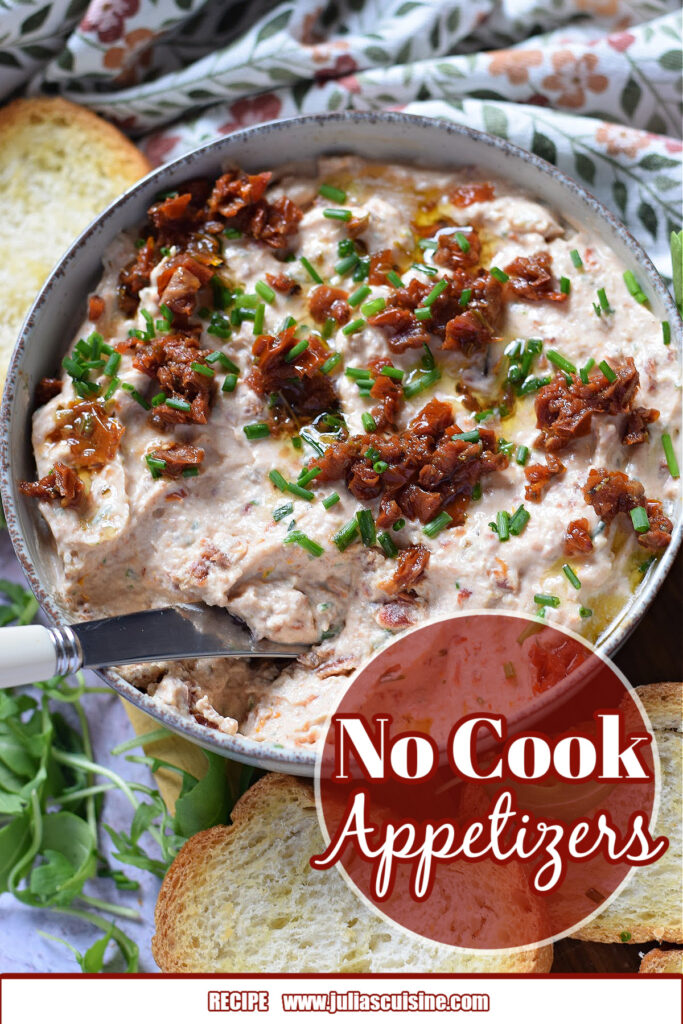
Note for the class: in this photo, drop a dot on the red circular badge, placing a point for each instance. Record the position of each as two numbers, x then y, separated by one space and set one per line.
487 781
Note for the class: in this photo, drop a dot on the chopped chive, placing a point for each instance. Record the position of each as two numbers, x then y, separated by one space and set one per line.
371 453
585 370
484 414
424 269
297 349
499 274
462 241
547 600
467 435
421 382
282 511
297 442
329 327
73 367
428 243
522 455
346 535
225 361
232 233
310 270
667 445
346 264
331 500
163 325
336 195
641 524
634 288
398 525
366 525
135 332
576 259
158 399
337 214
345 247
607 371
571 576
361 270
300 491
476 491
354 326
276 478
219 325
191 471
533 384
256 431
249 301
305 542
503 525
393 277
113 386
560 361
368 422
330 363
666 332
112 364
391 371
565 285
357 373
387 544
437 524
167 312
265 291
155 466
355 298
518 521
585 613
604 301
177 403
140 399
380 466
205 371
365 387
229 383
372 307
307 475
436 291
259 317
427 357
423 313
465 296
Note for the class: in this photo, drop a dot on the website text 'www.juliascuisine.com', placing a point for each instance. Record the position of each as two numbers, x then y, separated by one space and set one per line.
335 1001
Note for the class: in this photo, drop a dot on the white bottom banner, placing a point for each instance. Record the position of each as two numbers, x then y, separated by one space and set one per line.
82 999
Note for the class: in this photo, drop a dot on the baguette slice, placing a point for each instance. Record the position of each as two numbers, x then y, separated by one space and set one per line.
662 961
60 165
650 907
244 899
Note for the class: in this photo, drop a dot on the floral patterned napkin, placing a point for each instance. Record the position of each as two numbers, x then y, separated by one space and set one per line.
594 86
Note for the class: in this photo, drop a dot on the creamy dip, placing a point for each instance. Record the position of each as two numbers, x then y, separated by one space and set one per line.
141 539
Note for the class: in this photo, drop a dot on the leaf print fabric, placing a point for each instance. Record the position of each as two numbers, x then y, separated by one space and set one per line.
593 86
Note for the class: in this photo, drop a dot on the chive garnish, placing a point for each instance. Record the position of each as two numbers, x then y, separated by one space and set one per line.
421 382
437 524
503 525
641 524
297 442
547 600
576 259
305 542
571 576
462 241
398 525
380 466
560 361
140 399
158 399
346 264
331 500
354 326
336 195
330 363
393 277
307 475
232 233
585 613
255 431
191 471
427 243
519 520
225 361
357 373
424 269
666 332
565 285
522 455
387 544
532 384
476 491
499 274
219 325
337 214
368 422
465 296
585 370
265 291
366 525
423 313
392 371
300 491
607 371
310 270
297 349
346 535
373 307
329 327
205 371
604 301
671 462
467 435
113 385
259 317
229 383
355 298
155 466
634 288
282 511
276 478
436 291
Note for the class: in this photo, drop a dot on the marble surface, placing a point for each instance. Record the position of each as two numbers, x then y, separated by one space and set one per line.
22 948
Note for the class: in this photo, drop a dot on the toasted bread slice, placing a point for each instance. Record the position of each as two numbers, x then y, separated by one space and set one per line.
662 961
60 165
650 907
244 898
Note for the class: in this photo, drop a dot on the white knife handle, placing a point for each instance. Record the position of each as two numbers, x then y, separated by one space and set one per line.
30 654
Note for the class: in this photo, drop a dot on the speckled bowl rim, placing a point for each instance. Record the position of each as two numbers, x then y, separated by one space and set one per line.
241 748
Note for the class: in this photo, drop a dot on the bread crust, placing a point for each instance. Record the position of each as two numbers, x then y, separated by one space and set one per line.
662 961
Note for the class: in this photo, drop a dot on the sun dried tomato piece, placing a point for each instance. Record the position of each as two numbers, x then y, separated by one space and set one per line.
402 329
357 226
433 419
531 278
380 263
451 254
93 437
659 535
61 484
169 360
398 614
539 477
387 392
178 457
480 322
478 192
577 538
637 422
411 566
325 301
136 276
283 283
302 391
235 190
272 223
96 307
611 492
389 512
180 281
